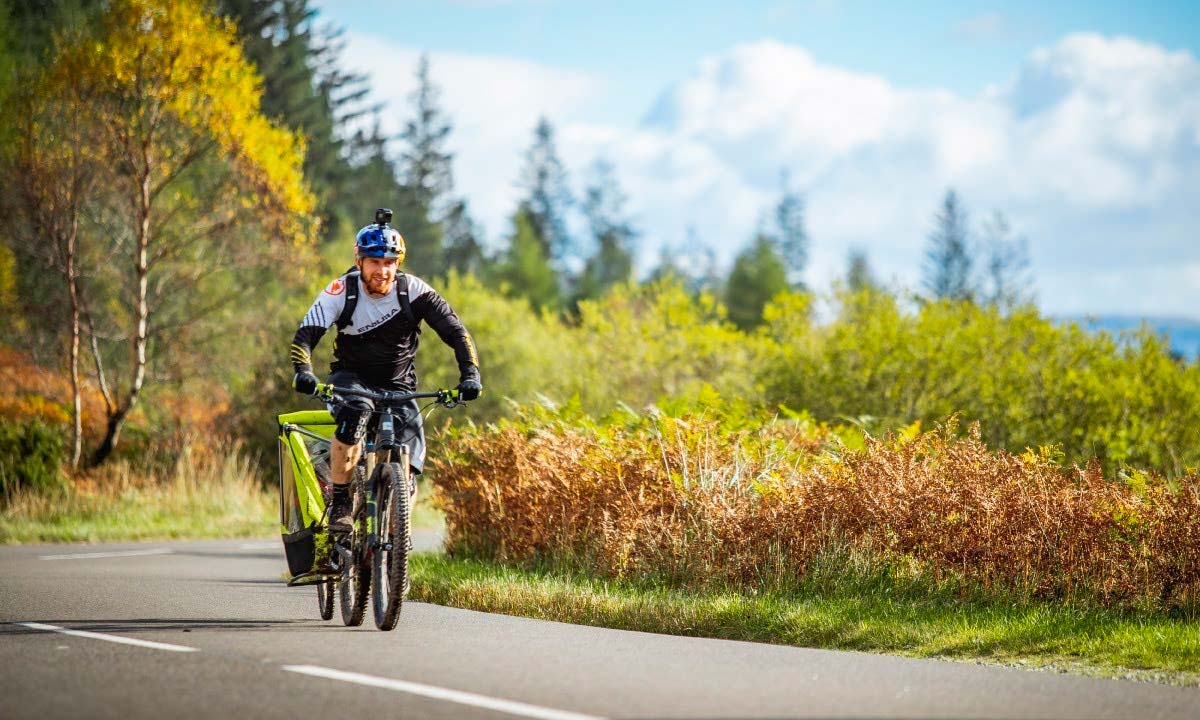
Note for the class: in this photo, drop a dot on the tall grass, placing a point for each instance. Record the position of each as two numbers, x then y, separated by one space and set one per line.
695 503
199 489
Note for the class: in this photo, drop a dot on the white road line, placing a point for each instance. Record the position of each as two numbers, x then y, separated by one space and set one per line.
111 554
109 638
456 696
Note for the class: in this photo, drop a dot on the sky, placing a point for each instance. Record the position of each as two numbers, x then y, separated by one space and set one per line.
1079 121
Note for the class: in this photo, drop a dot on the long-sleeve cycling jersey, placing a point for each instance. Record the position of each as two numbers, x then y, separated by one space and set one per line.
380 342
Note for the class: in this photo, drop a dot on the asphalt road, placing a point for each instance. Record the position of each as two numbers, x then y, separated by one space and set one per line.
216 634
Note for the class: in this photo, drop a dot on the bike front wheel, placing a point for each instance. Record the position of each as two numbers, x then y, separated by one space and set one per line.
389 578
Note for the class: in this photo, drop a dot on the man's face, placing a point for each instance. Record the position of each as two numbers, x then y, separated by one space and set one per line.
378 274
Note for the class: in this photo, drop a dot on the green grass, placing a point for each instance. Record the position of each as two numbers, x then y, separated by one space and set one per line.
223 500
226 504
859 614
425 515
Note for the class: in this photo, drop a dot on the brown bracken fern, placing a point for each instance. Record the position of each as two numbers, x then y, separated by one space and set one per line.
693 502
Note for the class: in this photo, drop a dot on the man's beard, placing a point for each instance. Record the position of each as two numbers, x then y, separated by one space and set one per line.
377 285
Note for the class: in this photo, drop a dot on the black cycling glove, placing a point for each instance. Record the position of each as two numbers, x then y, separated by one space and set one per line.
305 382
469 388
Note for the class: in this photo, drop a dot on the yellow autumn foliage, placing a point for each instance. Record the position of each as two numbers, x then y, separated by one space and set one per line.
159 66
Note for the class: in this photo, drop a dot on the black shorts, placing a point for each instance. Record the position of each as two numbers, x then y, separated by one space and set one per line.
353 417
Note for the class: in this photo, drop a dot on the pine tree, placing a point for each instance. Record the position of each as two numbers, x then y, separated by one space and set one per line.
758 274
858 272
948 260
464 249
374 178
1007 282
442 231
548 197
524 269
344 103
305 88
611 262
425 162
668 267
789 232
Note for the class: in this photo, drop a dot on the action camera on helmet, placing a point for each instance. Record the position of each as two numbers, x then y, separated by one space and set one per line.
383 216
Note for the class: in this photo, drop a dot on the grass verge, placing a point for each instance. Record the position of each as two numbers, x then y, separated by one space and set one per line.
849 617
227 504
201 493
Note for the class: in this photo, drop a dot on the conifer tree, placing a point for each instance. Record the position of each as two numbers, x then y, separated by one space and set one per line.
948 261
425 161
438 225
547 197
374 173
758 274
464 247
524 269
1006 281
667 267
611 261
305 88
789 232
858 271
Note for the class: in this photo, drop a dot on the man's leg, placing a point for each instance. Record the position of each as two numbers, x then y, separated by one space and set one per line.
345 450
414 434
342 460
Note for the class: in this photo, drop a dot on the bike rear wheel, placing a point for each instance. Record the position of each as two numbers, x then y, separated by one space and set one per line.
389 578
356 570
325 595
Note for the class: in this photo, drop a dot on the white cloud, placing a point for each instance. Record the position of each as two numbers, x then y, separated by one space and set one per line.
1092 150
493 102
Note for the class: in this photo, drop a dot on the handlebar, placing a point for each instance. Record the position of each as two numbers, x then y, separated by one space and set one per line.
448 398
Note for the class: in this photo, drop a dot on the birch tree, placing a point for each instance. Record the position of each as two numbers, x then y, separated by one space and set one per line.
199 181
48 171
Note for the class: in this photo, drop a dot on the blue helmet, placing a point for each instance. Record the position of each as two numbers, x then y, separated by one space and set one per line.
379 241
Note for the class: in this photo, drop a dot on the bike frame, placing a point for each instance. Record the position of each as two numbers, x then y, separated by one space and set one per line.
379 446
380 441
378 449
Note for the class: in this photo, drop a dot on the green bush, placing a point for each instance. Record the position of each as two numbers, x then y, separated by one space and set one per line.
870 359
31 455
1027 380
523 353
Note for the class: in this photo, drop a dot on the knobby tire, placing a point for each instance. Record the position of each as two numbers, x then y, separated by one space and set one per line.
325 595
356 581
390 566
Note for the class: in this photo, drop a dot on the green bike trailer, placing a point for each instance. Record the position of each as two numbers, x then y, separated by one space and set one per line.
304 490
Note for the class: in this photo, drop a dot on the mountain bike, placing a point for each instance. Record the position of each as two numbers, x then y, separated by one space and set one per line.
372 559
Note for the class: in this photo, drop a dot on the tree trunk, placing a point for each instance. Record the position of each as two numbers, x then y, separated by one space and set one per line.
76 403
141 269
112 433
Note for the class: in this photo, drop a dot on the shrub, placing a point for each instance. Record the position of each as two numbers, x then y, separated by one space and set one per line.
1026 380
695 502
31 455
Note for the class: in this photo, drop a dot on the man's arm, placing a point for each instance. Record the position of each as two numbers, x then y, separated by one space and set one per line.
431 307
320 317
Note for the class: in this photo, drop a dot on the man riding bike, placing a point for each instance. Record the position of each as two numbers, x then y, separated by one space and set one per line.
378 310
